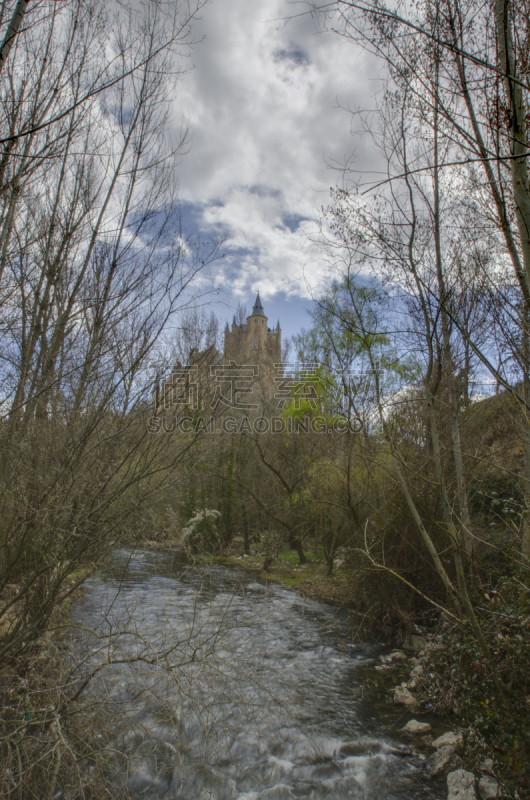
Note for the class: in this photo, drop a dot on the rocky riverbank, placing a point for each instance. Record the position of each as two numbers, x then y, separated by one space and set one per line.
405 677
458 755
452 754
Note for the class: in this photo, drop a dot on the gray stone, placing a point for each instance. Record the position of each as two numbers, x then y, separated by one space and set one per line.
415 727
417 672
450 738
403 696
488 789
393 657
398 655
443 761
487 766
417 643
461 785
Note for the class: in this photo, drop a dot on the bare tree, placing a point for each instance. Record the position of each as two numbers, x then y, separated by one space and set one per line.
94 264
480 98
197 330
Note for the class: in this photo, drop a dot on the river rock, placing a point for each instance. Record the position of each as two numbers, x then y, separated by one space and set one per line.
443 761
488 789
398 655
415 727
417 672
450 738
461 785
393 657
404 696
418 643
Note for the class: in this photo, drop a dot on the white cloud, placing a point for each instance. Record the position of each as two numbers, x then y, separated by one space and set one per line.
262 104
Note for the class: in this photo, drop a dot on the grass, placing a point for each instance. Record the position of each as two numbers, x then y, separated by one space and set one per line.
310 579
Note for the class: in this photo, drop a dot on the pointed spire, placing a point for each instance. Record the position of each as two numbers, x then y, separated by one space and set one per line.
258 308
227 329
278 326
234 320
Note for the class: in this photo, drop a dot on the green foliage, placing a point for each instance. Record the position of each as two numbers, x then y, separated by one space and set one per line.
496 496
346 338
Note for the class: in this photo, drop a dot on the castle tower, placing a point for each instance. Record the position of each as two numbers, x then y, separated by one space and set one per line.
250 344
254 342
257 328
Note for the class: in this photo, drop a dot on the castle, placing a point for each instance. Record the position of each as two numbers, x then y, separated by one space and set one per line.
254 342
252 348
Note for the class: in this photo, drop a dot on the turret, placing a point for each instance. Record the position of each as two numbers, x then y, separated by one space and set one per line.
258 308
257 324
254 340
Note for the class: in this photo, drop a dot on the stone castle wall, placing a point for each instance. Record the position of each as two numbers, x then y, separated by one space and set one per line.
250 344
253 342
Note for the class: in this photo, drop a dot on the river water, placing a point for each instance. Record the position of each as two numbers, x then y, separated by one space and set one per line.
220 687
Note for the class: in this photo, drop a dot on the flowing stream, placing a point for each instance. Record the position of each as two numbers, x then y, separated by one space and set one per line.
225 688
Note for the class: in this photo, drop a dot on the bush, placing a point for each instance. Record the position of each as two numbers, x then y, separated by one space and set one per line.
460 682
201 535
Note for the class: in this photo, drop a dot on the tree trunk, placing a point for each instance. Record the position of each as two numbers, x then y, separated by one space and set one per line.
521 196
12 30
296 544
246 533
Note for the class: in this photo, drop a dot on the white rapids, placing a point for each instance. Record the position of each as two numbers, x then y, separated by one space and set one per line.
230 689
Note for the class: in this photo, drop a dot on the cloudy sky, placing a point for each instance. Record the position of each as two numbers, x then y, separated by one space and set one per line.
264 104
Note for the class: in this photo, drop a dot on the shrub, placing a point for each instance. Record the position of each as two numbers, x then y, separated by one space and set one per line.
202 534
